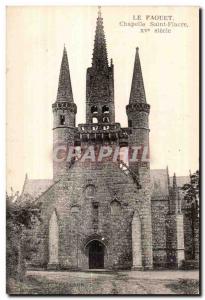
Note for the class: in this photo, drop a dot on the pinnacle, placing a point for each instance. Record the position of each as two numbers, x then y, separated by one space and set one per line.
137 93
99 58
174 180
99 11
64 86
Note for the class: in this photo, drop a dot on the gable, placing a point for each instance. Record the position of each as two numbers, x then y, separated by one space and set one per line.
36 187
159 183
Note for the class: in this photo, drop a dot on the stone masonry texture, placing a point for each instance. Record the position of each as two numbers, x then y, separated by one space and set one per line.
128 213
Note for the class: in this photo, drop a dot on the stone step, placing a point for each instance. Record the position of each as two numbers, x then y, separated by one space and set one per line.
190 264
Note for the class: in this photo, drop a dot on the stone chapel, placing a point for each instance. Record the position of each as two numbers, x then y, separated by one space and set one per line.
105 215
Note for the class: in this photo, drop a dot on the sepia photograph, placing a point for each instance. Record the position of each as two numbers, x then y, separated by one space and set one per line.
102 138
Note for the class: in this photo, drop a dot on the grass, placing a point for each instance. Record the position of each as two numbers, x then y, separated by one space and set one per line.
185 287
31 285
117 284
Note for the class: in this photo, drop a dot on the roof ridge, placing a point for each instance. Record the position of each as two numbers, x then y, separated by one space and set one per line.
47 190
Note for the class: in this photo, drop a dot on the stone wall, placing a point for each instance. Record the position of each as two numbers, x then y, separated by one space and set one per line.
175 240
62 137
73 201
74 210
145 213
159 212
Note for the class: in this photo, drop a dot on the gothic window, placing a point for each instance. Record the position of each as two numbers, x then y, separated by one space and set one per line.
94 109
105 109
95 214
115 208
129 123
106 120
62 120
94 120
106 127
90 191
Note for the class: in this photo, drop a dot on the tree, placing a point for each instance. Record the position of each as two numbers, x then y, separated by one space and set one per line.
191 193
21 216
192 209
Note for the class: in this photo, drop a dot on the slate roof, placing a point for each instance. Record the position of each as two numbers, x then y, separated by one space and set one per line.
36 187
181 180
159 184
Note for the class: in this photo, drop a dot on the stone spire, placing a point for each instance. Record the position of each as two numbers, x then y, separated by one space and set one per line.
64 85
99 59
137 93
100 106
174 181
168 179
179 203
174 197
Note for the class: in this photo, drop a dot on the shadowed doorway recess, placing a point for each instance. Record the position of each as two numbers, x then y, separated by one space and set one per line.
96 255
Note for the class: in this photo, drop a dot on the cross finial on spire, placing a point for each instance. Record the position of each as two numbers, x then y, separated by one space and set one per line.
99 11
99 51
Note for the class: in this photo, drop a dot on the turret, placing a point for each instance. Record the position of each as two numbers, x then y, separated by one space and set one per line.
64 112
138 111
100 81
138 114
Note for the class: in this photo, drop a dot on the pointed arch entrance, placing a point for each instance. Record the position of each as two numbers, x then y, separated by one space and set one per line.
96 253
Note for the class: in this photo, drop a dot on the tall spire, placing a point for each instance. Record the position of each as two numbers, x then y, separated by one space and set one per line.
64 85
137 93
99 59
100 81
174 181
179 204
168 179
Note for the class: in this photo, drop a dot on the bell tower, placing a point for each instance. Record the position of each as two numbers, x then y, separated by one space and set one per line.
100 81
138 122
138 112
64 112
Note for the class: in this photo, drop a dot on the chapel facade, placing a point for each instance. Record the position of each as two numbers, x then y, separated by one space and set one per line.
105 214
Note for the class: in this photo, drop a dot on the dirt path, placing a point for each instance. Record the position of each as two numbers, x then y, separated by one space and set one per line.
149 282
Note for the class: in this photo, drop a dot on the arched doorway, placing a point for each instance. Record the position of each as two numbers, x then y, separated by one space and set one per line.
96 251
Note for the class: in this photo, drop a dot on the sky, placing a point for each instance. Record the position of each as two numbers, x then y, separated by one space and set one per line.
170 66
